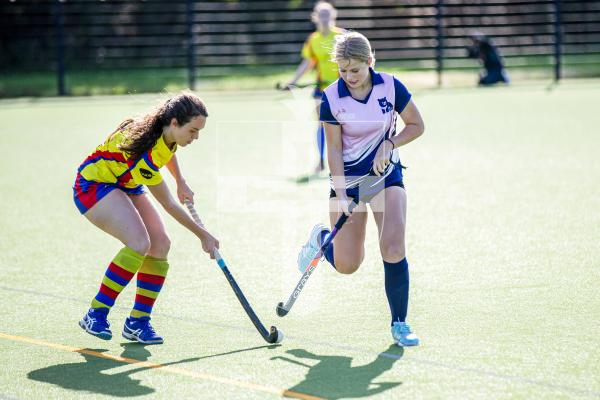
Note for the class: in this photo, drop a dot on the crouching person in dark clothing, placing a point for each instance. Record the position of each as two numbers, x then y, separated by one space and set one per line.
483 49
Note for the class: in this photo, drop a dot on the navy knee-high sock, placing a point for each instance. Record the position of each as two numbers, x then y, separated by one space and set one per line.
321 143
329 251
396 288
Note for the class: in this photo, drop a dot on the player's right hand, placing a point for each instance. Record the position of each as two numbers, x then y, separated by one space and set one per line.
209 243
343 204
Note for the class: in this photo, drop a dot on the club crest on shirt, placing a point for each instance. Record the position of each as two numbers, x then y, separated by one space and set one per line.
385 105
145 173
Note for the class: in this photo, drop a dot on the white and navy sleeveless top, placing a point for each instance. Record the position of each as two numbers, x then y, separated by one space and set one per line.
364 123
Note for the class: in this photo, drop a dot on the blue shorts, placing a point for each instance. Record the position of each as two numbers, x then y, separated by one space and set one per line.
372 185
87 193
317 93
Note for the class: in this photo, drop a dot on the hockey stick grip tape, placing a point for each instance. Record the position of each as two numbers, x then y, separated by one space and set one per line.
196 219
193 212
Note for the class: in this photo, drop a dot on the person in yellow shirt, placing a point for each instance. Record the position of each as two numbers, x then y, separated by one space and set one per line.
316 53
110 192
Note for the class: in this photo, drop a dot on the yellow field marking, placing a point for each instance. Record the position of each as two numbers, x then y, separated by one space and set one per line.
174 370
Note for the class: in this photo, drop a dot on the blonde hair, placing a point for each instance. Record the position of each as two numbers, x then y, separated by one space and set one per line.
352 45
323 5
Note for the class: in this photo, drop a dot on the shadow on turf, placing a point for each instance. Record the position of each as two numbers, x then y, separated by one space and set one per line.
304 179
333 377
89 375
94 375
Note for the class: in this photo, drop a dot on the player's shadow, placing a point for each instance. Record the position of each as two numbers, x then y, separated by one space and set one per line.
305 179
333 377
94 376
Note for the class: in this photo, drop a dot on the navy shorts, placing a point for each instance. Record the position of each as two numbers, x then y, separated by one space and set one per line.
367 190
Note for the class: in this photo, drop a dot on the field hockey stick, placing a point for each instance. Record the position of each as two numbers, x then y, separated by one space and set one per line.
283 309
283 87
272 336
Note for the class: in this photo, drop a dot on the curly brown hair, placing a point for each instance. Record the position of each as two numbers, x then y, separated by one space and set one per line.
142 133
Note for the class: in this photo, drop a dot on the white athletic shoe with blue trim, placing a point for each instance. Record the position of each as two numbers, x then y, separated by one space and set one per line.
140 330
403 335
311 247
94 322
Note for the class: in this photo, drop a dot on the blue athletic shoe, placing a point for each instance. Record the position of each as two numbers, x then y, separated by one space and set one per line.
140 330
94 322
403 336
311 247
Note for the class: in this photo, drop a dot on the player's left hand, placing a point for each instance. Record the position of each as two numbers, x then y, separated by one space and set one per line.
184 192
382 157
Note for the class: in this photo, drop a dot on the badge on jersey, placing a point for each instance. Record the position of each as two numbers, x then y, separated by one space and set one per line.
144 174
385 105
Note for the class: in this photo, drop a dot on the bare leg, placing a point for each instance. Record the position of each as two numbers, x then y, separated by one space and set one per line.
348 245
390 216
116 215
159 241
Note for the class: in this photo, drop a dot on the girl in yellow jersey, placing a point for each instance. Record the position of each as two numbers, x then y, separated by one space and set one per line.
109 192
316 53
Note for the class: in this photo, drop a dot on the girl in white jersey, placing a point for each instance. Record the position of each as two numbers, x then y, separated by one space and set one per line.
359 114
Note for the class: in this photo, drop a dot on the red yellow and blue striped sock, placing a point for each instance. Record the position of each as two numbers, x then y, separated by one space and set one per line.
150 279
117 276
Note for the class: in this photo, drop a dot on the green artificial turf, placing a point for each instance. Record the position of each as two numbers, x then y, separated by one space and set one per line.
503 230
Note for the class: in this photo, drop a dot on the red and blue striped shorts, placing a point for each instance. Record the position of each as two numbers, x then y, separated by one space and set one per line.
87 193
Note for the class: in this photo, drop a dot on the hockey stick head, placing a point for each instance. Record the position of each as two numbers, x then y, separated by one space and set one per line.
276 336
282 312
